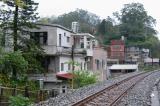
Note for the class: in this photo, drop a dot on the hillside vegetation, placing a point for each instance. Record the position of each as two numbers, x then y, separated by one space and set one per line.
133 23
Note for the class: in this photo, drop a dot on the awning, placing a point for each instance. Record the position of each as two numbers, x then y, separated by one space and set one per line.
64 75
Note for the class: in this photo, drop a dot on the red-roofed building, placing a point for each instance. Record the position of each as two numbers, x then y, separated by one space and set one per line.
116 50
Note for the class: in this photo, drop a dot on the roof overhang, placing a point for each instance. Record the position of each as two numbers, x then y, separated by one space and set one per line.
84 34
124 67
64 75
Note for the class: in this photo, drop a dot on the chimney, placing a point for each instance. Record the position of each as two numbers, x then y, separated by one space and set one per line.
75 27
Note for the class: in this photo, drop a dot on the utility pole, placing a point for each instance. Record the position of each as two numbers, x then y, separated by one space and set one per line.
73 63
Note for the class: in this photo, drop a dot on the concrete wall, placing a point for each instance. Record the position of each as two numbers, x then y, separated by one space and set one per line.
53 38
64 35
101 55
66 59
54 64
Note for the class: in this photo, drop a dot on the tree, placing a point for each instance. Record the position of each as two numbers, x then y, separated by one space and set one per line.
135 23
138 27
10 61
88 21
19 16
108 31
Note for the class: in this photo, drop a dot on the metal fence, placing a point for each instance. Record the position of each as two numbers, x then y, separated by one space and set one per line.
35 96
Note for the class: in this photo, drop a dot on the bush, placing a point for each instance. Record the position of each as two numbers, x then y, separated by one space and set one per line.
19 101
83 78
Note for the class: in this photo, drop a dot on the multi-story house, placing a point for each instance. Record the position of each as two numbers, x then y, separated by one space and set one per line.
145 53
99 62
61 46
132 54
116 50
135 54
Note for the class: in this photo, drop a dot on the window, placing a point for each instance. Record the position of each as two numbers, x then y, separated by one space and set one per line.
40 37
68 39
63 89
88 45
88 39
98 64
69 66
64 34
60 40
62 66
82 45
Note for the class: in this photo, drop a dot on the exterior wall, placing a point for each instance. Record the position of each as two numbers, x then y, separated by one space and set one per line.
66 59
53 66
64 35
53 45
101 55
145 53
116 50
87 41
133 54
52 34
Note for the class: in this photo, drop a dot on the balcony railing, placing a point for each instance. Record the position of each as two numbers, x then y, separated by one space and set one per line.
55 50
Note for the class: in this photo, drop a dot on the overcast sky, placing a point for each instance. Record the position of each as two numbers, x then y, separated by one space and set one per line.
102 8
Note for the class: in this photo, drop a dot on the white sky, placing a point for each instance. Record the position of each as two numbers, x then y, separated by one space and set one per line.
102 8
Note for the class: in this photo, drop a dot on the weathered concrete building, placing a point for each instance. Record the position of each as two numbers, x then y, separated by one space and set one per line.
99 62
135 54
61 46
132 54
116 50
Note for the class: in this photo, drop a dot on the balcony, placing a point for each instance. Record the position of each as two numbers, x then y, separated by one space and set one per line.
55 50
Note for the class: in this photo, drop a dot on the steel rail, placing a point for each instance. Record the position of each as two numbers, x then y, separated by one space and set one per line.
99 93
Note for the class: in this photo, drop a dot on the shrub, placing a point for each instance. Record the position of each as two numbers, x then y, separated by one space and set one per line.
19 101
83 78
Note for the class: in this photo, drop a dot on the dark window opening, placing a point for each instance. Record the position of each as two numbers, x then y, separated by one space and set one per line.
62 66
39 37
68 39
60 40
63 89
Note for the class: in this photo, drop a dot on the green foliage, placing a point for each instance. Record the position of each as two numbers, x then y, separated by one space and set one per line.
13 60
19 101
107 31
33 53
83 78
135 23
20 16
88 21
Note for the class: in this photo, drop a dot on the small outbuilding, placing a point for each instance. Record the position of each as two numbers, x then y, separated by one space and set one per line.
123 68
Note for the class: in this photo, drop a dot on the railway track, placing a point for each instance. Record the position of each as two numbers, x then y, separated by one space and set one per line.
111 95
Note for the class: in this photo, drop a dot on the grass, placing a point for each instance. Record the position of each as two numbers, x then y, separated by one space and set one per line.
148 67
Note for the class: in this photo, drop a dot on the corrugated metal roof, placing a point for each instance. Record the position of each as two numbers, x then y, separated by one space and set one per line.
124 67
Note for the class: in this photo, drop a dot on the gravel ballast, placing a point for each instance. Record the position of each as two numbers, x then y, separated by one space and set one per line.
79 94
140 94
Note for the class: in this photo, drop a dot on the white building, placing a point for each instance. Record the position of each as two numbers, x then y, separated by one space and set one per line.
59 43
